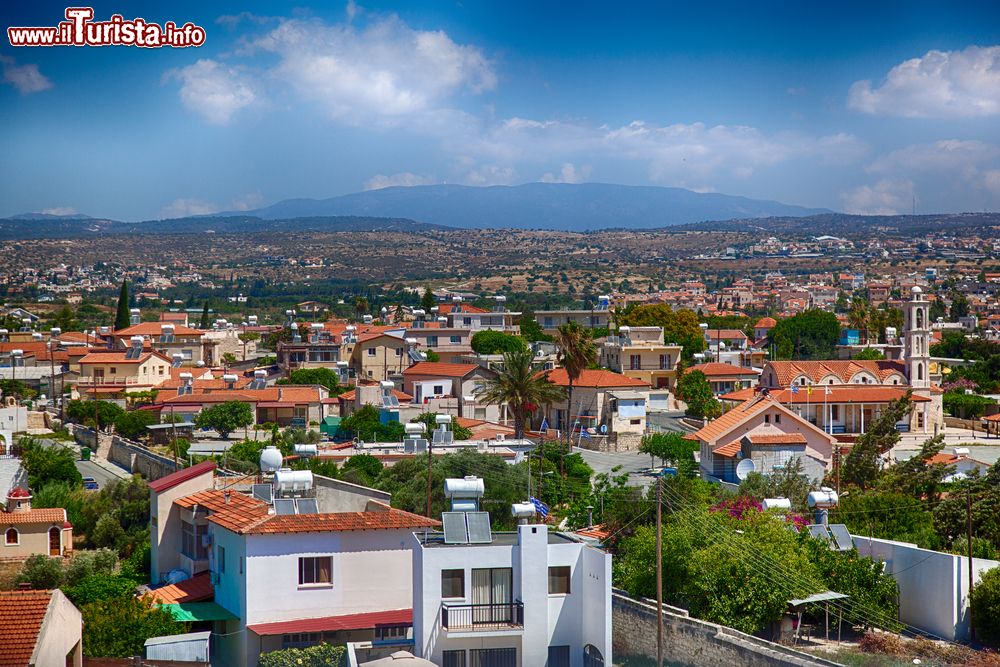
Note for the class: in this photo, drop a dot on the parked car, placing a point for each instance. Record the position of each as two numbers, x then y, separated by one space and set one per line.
90 484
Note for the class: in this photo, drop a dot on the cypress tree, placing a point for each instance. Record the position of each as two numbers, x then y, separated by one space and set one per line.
122 319
204 317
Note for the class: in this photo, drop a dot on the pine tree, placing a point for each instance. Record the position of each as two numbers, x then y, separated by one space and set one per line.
122 319
427 300
203 324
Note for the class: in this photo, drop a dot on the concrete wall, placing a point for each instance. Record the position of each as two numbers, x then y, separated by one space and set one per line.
60 639
933 586
165 525
689 641
333 495
137 459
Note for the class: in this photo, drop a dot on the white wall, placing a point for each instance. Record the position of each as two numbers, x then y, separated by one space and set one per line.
933 586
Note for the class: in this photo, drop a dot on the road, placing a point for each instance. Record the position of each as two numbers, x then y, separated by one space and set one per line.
634 463
91 469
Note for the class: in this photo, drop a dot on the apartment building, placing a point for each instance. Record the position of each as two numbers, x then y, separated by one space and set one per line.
641 354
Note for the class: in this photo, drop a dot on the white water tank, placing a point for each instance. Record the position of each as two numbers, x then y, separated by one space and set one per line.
414 428
287 480
270 459
522 510
306 449
468 487
823 499
776 504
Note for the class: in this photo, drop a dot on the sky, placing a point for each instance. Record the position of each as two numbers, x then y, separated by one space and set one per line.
846 106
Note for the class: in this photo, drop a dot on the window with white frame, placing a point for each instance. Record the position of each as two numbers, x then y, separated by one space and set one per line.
315 570
12 538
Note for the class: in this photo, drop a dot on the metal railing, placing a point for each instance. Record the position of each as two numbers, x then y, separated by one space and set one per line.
482 617
102 380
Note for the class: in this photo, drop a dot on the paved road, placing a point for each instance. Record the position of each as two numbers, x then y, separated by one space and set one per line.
91 469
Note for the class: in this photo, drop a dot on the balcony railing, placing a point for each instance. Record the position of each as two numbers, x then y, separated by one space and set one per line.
104 380
482 617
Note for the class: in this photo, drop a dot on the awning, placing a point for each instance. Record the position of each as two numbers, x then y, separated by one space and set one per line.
365 621
199 611
818 597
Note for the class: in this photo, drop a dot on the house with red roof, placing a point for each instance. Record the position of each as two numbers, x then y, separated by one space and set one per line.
41 629
450 389
27 531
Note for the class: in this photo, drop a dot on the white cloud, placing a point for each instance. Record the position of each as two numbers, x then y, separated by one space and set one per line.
59 210
491 174
405 178
568 173
991 181
940 84
26 78
181 208
213 90
383 70
249 201
886 197
947 155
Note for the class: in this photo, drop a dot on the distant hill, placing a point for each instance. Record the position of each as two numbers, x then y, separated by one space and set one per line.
18 227
559 206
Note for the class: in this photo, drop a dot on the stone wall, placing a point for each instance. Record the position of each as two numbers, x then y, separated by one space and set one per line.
689 641
137 459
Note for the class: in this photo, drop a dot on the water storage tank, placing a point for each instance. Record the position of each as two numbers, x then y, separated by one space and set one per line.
443 419
306 449
522 510
287 480
776 504
270 459
469 487
414 428
823 498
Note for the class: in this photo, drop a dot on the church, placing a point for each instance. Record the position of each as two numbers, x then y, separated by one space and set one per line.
843 397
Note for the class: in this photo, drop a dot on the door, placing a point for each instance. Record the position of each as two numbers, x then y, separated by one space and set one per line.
491 595
55 541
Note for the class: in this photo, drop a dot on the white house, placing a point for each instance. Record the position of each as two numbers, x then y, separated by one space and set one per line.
523 599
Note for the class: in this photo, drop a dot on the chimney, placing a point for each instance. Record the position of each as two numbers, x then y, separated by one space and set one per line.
225 496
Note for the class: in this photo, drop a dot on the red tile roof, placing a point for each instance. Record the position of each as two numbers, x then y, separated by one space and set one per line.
593 378
54 515
440 369
21 616
350 395
729 450
196 589
716 369
155 329
786 371
175 478
778 439
766 323
215 501
365 621
730 420
389 519
118 357
855 393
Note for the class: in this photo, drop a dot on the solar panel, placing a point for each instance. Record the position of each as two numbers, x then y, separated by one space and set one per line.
390 401
308 506
443 437
176 363
263 492
258 384
133 353
479 527
819 531
284 506
842 536
456 531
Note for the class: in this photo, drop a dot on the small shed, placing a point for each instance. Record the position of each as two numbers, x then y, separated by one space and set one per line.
191 647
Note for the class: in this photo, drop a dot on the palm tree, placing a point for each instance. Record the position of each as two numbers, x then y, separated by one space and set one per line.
360 306
858 317
576 353
520 385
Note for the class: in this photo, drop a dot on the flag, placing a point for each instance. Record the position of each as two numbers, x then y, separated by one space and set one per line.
828 391
809 390
544 425
540 507
795 388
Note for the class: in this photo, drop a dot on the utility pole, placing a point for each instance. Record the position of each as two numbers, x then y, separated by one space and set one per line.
968 531
430 459
659 572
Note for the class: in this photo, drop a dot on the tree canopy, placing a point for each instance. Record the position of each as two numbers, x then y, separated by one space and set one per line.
811 334
225 417
489 341
325 377
122 315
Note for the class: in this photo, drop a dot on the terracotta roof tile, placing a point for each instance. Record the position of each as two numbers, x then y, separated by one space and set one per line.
154 329
21 616
364 621
730 420
215 501
593 378
196 589
55 515
390 519
777 439
786 371
715 369
440 369
729 450
855 393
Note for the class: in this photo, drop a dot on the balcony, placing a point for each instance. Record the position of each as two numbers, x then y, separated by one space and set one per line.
108 381
482 617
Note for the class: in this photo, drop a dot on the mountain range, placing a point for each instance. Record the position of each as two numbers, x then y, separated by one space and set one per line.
558 206
553 206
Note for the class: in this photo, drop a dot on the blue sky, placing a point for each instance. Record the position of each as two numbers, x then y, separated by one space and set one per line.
846 106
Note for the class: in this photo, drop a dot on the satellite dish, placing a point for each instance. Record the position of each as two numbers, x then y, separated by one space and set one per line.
745 467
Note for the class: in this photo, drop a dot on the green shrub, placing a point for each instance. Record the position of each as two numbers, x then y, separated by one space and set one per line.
985 602
108 532
88 563
41 572
97 587
314 656
966 406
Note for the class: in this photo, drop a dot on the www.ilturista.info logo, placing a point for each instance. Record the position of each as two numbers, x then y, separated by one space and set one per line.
79 29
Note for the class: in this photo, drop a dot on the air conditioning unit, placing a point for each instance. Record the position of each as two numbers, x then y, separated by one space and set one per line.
501 437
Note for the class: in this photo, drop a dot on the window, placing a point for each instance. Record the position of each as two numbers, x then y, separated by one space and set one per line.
399 351
453 658
455 340
392 632
634 362
467 321
559 580
220 558
767 419
493 657
192 542
300 639
777 419
12 538
315 570
432 341
453 583
438 389
371 352
113 370
558 656
664 362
